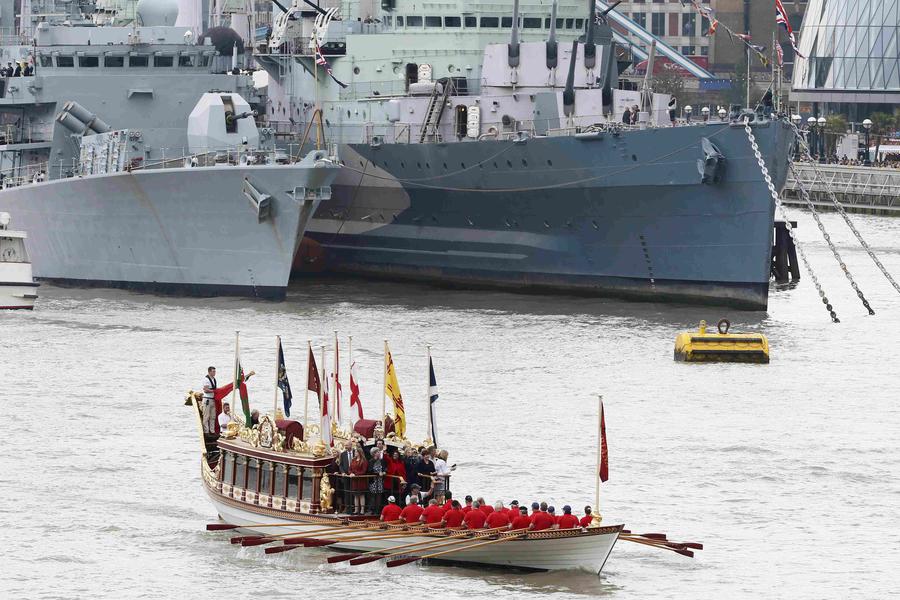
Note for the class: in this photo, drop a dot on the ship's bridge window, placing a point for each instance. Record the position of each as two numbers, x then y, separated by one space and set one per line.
204 60
470 21
387 20
413 21
65 61
579 23
88 61
490 22
138 60
531 22
399 21
506 23
570 23
114 61
559 23
187 60
163 61
452 21
46 61
432 21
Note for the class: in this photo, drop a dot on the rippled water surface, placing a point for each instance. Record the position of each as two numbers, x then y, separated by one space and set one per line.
787 472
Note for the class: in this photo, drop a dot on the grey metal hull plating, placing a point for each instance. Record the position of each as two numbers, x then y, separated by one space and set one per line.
184 230
612 215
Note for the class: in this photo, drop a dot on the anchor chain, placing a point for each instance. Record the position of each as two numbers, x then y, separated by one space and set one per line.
787 221
804 147
837 256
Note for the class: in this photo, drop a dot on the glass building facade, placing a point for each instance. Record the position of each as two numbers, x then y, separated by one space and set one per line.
852 57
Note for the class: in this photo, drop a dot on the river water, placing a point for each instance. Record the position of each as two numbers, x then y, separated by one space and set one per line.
788 472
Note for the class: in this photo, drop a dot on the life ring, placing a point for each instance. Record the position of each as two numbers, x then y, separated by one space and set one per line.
724 324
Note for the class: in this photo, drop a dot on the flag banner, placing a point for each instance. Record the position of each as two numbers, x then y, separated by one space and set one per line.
432 398
354 391
392 389
325 424
745 38
242 390
780 54
283 384
781 18
323 62
313 383
604 453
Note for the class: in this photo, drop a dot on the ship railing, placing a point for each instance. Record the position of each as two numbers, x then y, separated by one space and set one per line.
360 90
23 175
218 157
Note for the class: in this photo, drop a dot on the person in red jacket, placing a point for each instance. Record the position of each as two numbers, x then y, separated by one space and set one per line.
390 512
474 519
412 511
433 515
498 518
448 500
513 511
523 521
588 518
567 520
540 519
485 507
454 517
395 477
468 505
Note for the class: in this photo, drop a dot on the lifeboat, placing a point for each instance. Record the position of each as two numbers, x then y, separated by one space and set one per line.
17 287
721 345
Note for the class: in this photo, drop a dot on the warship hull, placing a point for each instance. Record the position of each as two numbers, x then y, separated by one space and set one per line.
621 215
183 230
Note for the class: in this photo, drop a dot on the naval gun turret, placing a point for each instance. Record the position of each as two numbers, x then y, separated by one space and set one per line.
222 121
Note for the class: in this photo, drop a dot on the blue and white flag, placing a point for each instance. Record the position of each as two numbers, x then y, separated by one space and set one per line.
432 398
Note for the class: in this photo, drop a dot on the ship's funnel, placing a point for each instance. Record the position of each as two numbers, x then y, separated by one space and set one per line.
88 119
513 51
552 45
590 49
569 92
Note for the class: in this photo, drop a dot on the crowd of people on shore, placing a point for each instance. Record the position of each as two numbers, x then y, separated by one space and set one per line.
852 162
412 485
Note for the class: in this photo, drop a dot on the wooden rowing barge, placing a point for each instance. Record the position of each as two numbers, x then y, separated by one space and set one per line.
264 488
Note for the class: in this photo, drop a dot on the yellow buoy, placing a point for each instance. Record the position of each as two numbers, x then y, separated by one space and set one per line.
703 346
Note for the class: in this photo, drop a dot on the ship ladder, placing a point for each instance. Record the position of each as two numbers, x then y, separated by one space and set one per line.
435 111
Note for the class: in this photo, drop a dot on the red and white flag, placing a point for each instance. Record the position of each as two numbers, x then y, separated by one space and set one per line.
337 382
781 18
780 53
354 391
604 453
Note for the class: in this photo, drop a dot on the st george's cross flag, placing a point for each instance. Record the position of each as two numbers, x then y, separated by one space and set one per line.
354 391
325 424
432 398
283 384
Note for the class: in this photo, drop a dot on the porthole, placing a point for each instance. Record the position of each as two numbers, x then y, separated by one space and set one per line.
634 157
594 223
427 165
418 164
509 164
463 165
524 163
356 70
445 166
348 114
402 165
549 163
547 224
495 165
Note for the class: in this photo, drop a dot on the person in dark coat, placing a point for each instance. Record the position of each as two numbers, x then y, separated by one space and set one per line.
626 116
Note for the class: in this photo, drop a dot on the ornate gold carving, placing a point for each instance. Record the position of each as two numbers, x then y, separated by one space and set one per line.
278 442
319 449
325 493
300 446
266 432
232 431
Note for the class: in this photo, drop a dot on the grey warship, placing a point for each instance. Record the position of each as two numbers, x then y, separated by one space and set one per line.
132 157
479 149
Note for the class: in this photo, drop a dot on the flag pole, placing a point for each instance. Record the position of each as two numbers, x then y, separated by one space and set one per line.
597 516
324 381
236 362
306 393
384 384
334 386
350 360
428 395
277 348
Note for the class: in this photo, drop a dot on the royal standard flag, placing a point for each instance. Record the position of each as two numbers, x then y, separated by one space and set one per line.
392 389
283 384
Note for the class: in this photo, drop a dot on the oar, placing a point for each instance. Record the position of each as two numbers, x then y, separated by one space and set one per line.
405 561
430 545
314 543
345 557
258 540
303 539
681 551
694 545
228 526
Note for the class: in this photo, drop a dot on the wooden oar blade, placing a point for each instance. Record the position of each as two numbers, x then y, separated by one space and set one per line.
694 545
220 526
687 553
364 560
342 557
279 549
401 561
256 541
241 538
654 536
297 540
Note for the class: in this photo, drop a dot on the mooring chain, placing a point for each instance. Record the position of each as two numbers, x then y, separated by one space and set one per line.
840 207
837 256
787 221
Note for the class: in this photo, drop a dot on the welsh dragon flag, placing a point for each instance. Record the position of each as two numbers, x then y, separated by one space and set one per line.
239 380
